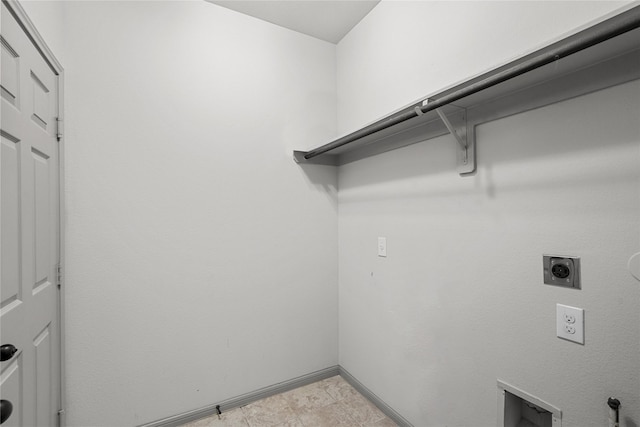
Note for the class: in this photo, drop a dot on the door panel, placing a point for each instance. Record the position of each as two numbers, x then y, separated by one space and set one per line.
40 165
29 216
40 101
10 181
10 70
42 347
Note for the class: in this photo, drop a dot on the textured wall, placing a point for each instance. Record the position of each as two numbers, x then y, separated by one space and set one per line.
201 260
48 17
459 301
192 257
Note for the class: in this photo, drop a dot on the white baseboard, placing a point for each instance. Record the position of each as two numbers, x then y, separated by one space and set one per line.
380 404
245 399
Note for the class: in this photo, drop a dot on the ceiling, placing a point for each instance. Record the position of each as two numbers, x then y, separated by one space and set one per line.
327 20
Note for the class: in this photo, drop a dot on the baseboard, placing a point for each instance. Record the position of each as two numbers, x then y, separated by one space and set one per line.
245 399
381 404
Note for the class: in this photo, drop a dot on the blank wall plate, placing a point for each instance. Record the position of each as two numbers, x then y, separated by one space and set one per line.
570 323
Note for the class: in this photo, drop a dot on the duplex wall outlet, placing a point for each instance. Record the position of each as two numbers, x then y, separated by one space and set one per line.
570 323
561 270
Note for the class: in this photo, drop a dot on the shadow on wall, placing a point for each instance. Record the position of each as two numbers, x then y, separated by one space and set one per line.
324 178
482 184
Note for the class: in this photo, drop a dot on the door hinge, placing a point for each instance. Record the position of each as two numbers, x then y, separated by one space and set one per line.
59 276
59 128
61 414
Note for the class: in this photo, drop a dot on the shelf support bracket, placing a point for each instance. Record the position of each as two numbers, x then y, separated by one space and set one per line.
464 133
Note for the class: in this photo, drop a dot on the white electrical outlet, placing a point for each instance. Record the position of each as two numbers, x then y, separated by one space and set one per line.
570 323
382 246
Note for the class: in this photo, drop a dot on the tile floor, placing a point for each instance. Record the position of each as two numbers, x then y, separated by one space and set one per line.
328 403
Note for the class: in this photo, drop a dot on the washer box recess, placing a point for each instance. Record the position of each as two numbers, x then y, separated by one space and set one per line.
561 270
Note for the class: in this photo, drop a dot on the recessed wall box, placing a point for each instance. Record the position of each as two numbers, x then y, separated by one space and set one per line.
561 270
517 408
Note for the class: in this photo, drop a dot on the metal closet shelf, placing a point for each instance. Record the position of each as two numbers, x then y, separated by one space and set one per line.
600 56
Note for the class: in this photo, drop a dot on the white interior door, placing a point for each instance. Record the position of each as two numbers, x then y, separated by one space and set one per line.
29 248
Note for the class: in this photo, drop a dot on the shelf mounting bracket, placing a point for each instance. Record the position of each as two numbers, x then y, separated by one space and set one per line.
464 133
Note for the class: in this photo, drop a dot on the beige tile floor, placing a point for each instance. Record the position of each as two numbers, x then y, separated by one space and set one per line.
328 403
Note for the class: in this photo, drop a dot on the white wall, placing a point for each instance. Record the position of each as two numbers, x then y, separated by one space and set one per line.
459 301
201 260
197 272
48 17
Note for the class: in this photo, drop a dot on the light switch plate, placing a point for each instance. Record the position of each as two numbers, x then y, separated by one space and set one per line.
382 246
570 323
